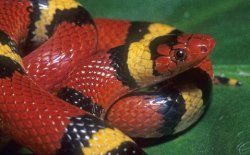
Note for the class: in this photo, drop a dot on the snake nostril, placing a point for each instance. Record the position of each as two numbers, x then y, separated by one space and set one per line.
203 49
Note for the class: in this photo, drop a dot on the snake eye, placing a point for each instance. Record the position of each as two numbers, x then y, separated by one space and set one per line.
180 54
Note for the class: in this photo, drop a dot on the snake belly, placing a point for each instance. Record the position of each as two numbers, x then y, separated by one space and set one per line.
116 71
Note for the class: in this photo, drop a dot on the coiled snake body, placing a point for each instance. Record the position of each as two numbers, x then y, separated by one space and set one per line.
146 79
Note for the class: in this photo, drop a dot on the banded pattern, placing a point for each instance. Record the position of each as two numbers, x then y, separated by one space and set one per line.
169 107
46 16
92 135
32 116
193 104
78 99
65 18
112 81
143 68
6 40
137 65
226 81
157 114
195 86
114 64
9 66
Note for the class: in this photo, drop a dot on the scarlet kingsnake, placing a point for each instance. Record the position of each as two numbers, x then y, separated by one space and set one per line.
147 79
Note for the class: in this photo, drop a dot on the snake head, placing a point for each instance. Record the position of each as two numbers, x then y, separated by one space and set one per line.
176 53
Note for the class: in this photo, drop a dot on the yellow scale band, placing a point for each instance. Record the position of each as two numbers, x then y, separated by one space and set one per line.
232 82
103 141
6 51
139 60
47 15
193 105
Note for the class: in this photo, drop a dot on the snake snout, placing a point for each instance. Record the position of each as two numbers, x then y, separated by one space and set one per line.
206 43
199 47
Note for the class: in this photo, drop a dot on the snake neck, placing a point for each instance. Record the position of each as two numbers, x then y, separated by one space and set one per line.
133 68
134 61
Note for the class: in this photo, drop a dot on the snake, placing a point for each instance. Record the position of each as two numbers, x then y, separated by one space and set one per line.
71 84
